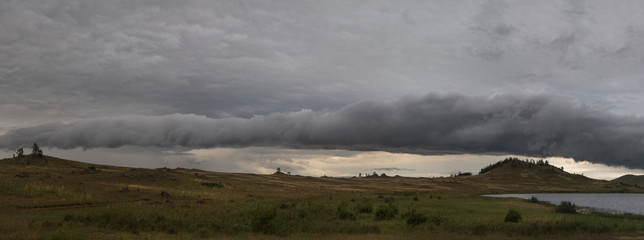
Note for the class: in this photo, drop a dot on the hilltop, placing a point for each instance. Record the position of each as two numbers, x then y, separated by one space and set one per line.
630 179
517 175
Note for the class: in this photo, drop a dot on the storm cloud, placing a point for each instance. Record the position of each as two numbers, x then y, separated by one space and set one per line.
538 125
79 59
564 76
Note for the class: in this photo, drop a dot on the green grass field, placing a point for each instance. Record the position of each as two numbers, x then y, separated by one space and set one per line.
62 199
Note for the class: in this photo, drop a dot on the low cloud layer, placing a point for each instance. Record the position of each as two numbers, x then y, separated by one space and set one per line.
538 125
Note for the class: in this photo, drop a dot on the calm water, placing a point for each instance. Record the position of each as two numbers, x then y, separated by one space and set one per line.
607 202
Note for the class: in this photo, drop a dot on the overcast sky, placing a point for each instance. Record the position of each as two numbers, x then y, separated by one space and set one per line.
528 78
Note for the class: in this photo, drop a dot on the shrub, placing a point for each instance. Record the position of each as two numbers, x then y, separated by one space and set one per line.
534 199
512 216
369 228
213 184
263 220
566 207
414 217
364 207
343 213
435 219
387 211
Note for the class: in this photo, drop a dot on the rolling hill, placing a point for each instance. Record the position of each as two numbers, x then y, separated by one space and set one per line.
630 179
514 175
508 176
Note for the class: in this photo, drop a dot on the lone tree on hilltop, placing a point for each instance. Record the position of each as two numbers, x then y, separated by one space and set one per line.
19 152
36 151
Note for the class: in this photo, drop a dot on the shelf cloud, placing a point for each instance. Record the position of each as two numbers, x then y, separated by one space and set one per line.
536 125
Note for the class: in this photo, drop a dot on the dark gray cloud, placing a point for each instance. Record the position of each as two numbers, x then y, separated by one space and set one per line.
539 125
68 60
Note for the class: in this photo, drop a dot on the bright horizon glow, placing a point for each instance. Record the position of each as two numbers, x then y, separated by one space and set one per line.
307 162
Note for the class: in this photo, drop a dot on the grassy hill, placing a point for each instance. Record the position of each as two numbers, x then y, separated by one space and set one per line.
630 179
514 175
53 198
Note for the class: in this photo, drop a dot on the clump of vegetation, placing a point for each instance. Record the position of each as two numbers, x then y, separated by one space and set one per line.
213 184
386 211
364 207
91 169
566 207
342 211
512 216
534 199
264 220
414 217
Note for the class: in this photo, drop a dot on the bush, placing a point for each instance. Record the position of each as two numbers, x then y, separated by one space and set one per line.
369 228
343 213
387 211
263 220
512 216
414 217
212 184
566 207
364 207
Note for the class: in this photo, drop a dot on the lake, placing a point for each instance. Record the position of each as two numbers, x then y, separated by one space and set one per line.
606 202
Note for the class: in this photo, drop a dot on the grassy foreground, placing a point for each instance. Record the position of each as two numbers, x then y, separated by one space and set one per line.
51 198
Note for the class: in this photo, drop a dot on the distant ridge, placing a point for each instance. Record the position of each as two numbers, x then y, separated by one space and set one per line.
507 176
630 179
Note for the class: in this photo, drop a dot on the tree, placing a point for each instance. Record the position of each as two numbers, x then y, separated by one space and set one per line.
566 207
36 151
512 216
19 152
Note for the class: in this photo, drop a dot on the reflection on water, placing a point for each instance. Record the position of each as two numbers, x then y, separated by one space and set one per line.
608 202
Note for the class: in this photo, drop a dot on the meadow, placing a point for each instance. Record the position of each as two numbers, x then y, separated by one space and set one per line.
51 198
